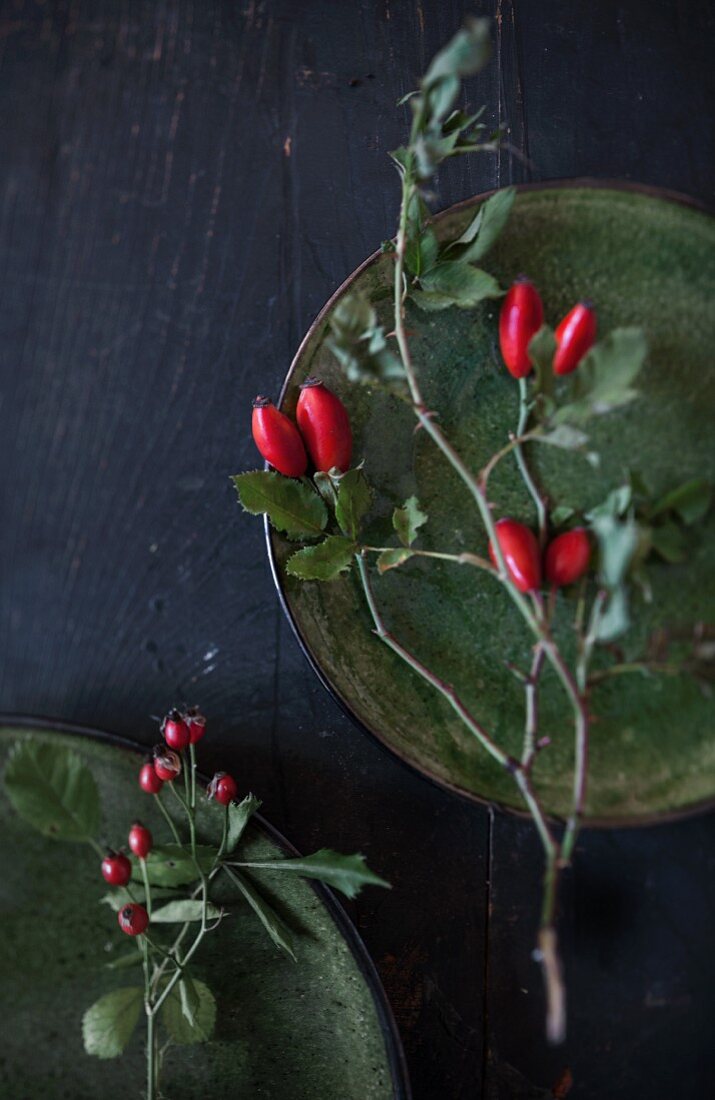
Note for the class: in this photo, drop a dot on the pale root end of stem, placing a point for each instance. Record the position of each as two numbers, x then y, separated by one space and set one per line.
548 956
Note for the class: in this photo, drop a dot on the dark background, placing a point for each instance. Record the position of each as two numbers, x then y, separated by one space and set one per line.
182 186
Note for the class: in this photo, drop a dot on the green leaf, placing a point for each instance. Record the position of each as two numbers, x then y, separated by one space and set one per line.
465 286
323 562
408 519
326 487
354 500
133 958
291 506
691 501
346 873
669 541
564 436
430 302
238 817
616 503
172 865
603 379
421 253
390 559
53 791
177 912
359 344
117 898
490 221
561 514
615 620
276 928
108 1025
467 53
541 351
618 541
202 1004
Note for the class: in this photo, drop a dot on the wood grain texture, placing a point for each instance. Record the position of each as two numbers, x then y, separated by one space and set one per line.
182 186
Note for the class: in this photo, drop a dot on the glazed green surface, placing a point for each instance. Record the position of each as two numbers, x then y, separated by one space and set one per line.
288 1030
645 261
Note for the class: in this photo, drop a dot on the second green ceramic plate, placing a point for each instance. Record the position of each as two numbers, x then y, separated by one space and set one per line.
306 1030
646 260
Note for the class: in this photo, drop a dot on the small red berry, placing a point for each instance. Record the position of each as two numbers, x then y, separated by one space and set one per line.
116 869
133 919
223 788
148 779
167 764
325 426
278 439
521 317
196 723
175 730
575 335
140 840
567 557
521 554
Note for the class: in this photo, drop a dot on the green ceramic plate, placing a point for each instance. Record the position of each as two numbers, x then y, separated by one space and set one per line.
318 1028
646 259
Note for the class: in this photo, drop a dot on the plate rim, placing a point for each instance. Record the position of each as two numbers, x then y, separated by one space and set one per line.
394 1049
660 817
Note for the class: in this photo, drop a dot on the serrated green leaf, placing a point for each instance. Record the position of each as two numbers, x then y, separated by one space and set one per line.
176 1021
463 284
564 436
669 541
354 501
493 216
616 503
53 791
390 559
108 1025
188 909
691 501
345 873
133 958
431 303
323 562
274 925
238 817
171 865
291 506
467 53
408 519
326 488
604 376
360 346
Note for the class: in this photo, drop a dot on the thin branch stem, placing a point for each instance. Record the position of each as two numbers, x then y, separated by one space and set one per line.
147 888
521 463
458 559
531 722
168 817
445 689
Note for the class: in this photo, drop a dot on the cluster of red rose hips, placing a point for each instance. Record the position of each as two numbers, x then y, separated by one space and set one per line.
179 729
323 429
522 315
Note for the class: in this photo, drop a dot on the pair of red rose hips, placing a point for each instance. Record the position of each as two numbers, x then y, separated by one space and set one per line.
565 561
521 317
323 428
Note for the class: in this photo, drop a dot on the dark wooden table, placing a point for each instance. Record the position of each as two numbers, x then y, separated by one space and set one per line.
182 186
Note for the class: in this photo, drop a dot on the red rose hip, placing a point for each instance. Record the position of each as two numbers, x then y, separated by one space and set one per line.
149 781
325 426
521 317
521 554
567 557
575 335
133 919
140 840
196 723
167 763
116 869
175 730
278 439
223 788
